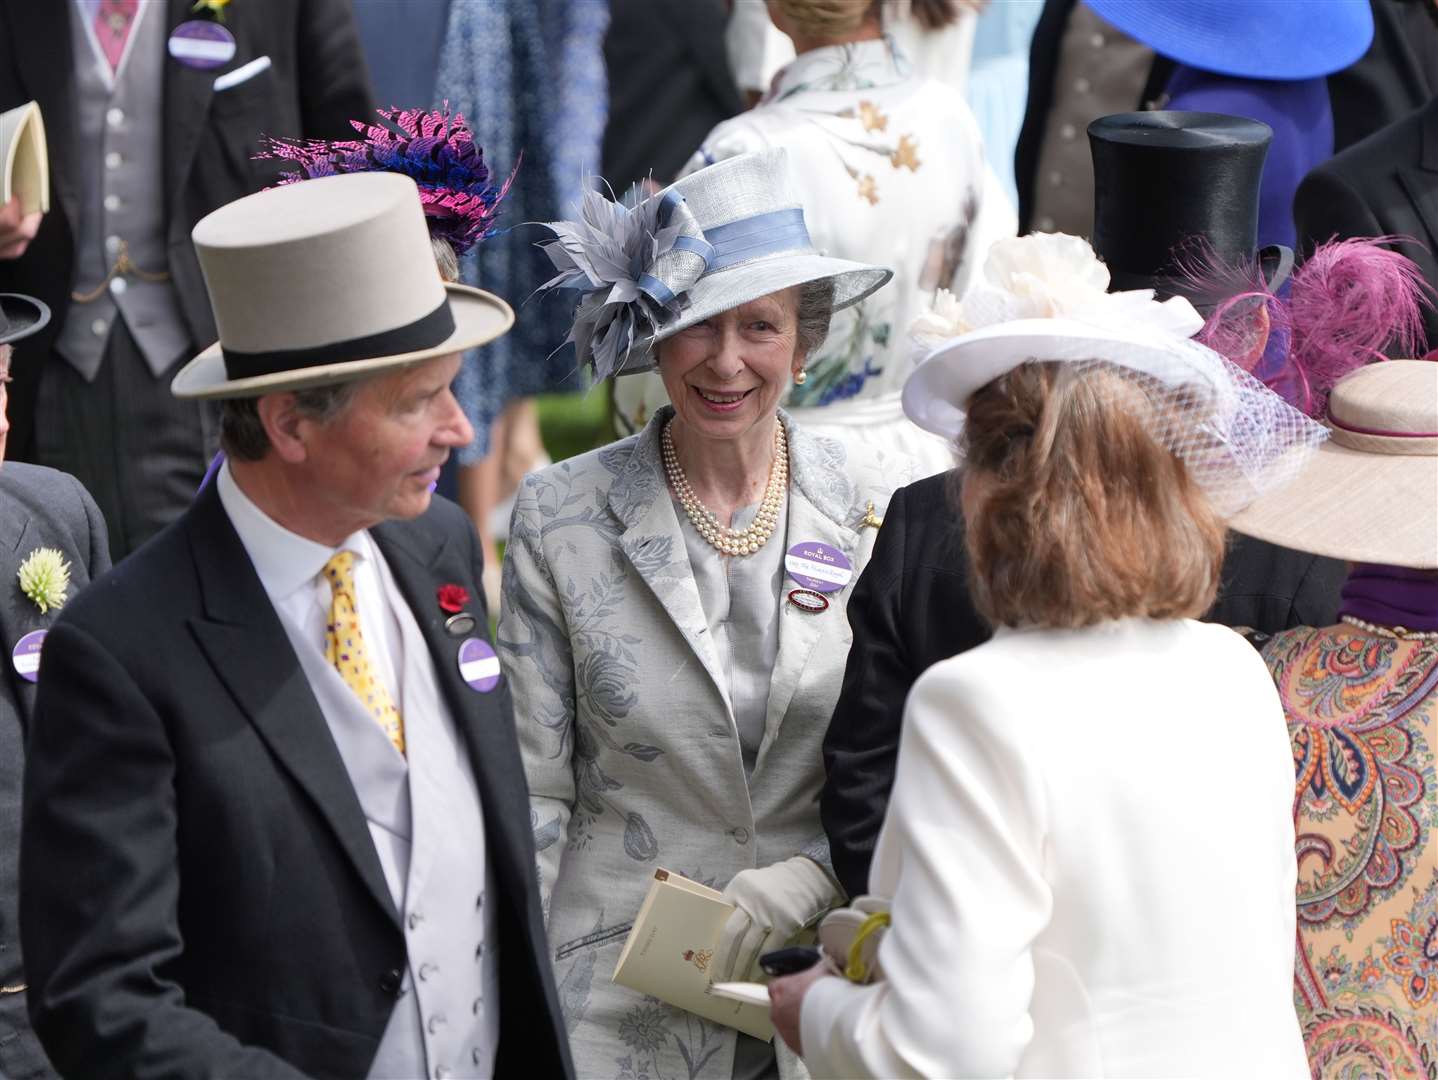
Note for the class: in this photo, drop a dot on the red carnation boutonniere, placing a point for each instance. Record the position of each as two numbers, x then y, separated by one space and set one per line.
452 598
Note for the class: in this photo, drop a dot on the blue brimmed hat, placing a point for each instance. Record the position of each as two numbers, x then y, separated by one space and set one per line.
1252 39
708 243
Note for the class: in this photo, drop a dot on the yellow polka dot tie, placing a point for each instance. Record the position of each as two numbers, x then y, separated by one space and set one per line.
345 649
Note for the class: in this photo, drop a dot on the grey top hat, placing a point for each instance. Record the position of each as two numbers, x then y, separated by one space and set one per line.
325 282
20 316
716 239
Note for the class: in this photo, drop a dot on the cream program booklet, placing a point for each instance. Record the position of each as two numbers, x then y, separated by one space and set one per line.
24 160
667 953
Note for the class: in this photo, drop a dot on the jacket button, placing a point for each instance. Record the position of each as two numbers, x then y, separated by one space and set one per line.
741 835
391 981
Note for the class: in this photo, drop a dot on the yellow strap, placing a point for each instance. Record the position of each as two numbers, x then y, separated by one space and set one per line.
856 970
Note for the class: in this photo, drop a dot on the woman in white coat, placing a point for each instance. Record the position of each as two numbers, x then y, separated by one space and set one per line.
672 679
890 167
1089 847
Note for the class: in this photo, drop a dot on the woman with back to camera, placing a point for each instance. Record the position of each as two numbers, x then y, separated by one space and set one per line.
1089 847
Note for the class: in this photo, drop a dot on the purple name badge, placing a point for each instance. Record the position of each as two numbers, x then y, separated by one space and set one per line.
26 656
200 44
478 666
818 566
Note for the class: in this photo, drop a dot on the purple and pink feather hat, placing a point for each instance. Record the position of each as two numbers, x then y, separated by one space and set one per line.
434 148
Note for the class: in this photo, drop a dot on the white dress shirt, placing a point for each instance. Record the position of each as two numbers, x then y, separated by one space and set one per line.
290 569
1090 855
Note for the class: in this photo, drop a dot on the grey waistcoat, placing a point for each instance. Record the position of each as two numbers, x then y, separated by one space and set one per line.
426 820
122 197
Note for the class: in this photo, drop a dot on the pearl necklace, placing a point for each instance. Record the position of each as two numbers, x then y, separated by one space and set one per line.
726 540
1400 632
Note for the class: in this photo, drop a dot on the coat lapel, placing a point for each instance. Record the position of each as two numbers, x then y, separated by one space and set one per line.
187 108
251 654
654 545
820 509
420 561
47 66
1421 182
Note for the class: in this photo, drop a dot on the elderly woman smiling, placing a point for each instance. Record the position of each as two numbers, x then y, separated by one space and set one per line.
672 681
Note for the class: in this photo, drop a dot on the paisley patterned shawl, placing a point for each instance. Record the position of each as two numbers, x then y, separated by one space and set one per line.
1362 715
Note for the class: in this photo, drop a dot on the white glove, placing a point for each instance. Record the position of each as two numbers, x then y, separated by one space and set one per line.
771 904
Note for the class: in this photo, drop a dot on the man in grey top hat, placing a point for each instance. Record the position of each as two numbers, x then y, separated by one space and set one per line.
275 819
153 110
52 543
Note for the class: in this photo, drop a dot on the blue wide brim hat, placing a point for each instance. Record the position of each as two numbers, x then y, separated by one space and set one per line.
715 240
1251 39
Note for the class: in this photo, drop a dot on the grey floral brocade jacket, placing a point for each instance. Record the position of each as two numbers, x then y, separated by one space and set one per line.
629 742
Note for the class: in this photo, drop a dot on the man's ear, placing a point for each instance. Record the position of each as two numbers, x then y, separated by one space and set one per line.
285 426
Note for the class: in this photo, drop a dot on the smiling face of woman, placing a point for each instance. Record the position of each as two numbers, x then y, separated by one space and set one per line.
727 374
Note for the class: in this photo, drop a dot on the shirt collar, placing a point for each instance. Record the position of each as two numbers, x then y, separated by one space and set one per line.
284 560
859 65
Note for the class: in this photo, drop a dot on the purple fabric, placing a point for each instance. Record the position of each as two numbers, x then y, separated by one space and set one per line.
215 463
1302 121
1392 596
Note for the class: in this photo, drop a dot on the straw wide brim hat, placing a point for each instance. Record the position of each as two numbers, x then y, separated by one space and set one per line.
324 282
936 393
21 316
1370 493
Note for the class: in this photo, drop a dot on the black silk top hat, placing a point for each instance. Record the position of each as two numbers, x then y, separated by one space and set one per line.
20 316
1179 186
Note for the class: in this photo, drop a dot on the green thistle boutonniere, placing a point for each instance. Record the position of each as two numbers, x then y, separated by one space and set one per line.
45 578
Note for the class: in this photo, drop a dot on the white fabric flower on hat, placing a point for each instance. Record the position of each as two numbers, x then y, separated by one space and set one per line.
1050 276
1047 275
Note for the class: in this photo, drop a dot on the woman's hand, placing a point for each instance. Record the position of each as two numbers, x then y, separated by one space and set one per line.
771 905
786 998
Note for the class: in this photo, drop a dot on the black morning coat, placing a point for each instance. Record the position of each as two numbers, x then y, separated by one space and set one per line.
39 507
316 84
200 896
911 608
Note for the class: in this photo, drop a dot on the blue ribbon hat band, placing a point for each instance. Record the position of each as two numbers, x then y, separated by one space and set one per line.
754 237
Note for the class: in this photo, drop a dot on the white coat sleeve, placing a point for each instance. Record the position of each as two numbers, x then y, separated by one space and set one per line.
965 829
538 661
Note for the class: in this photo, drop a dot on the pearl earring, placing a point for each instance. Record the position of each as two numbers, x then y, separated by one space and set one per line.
801 377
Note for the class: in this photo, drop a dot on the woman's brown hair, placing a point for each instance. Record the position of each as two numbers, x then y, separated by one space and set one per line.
1078 513
821 20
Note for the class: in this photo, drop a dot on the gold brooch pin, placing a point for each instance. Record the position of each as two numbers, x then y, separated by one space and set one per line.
871 519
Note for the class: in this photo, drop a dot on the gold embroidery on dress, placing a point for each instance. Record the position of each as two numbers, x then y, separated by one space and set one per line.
906 156
872 117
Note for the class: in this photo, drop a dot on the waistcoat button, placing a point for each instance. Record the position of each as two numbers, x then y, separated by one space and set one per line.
391 981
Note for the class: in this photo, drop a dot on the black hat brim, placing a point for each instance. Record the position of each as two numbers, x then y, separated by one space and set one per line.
21 316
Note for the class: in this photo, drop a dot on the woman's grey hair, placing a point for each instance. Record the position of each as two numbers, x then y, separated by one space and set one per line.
242 432
816 308
445 258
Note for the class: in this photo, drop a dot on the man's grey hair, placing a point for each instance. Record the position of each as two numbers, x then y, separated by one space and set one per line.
816 308
242 432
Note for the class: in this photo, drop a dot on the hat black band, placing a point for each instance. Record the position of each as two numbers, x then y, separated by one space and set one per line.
424 333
